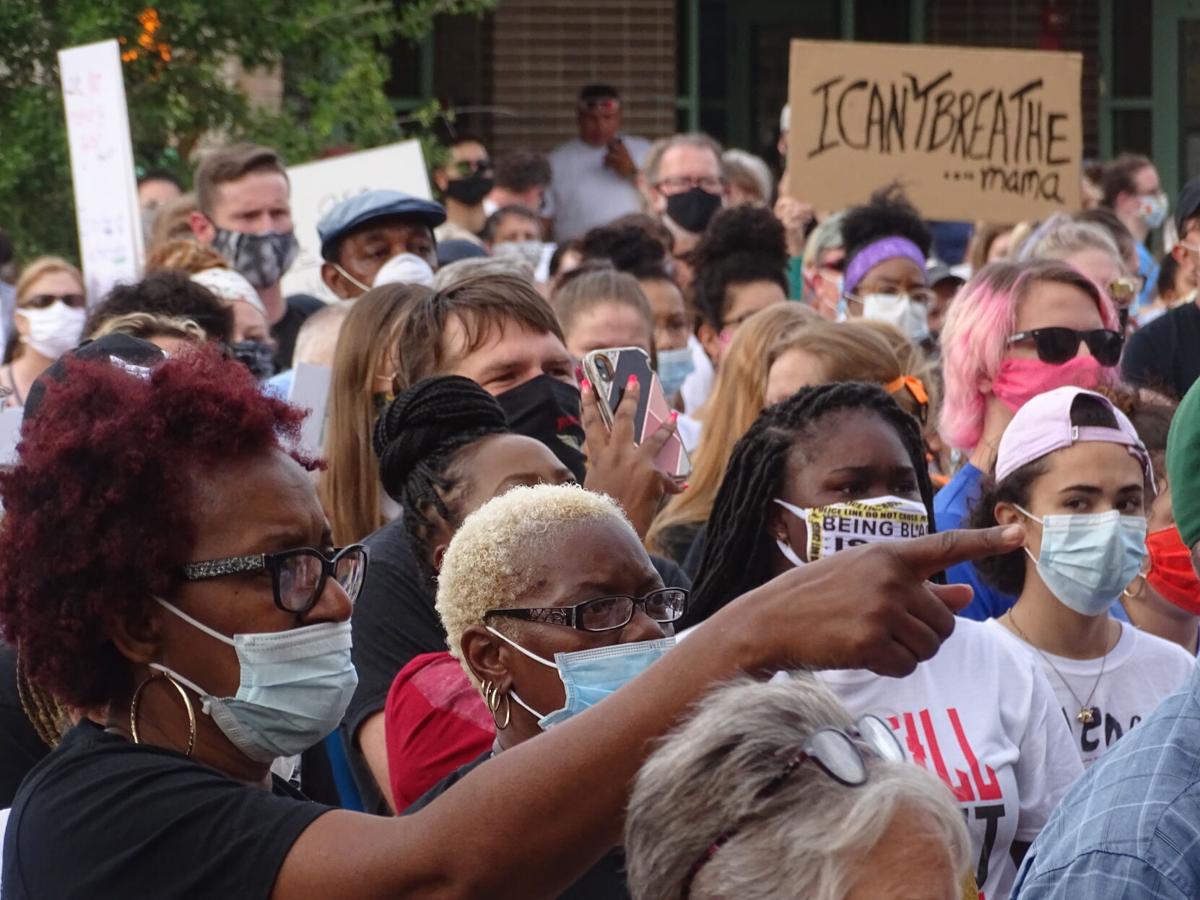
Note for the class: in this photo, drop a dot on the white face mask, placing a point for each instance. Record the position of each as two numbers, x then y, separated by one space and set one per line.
529 251
909 315
841 526
404 268
53 330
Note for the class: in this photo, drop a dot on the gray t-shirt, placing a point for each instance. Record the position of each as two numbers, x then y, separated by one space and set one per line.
586 193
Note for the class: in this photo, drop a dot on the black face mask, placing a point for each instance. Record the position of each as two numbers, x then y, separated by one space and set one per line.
471 190
548 410
693 209
257 356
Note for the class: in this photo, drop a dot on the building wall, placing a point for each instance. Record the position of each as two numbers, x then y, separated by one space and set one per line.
543 52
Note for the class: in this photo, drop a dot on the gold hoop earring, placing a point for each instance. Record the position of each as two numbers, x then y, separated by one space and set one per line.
500 726
187 702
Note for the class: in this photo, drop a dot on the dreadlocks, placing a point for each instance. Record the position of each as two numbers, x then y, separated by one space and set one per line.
737 552
418 438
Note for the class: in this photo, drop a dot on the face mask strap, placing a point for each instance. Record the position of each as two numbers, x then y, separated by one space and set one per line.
525 706
520 649
186 682
354 281
171 608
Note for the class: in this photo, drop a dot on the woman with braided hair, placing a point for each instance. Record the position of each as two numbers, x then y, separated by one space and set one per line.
839 465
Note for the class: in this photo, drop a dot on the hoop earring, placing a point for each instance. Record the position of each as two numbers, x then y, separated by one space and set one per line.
1140 581
492 697
187 702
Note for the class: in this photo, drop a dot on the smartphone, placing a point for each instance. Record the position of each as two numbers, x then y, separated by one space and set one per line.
609 371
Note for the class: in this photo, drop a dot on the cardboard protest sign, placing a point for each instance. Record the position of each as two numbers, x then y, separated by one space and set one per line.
971 134
318 186
106 206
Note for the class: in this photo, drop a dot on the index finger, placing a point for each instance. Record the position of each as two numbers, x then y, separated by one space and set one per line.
932 553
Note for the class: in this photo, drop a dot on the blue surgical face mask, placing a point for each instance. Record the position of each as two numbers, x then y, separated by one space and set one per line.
674 366
1086 560
588 676
294 689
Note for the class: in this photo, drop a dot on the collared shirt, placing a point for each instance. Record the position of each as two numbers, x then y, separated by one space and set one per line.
1130 828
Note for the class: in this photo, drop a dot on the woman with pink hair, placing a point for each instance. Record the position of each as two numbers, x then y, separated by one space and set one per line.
1014 331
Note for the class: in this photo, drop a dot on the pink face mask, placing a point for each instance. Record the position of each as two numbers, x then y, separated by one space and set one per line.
1020 380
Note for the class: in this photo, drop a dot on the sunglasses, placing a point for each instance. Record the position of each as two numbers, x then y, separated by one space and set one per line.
600 104
297 576
45 301
835 752
1059 345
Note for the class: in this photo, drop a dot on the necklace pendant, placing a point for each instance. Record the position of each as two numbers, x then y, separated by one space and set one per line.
1085 715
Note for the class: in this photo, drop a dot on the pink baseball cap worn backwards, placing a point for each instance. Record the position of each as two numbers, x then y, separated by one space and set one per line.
1043 425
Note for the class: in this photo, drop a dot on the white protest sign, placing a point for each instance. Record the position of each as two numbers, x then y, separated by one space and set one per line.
318 186
310 391
10 434
106 205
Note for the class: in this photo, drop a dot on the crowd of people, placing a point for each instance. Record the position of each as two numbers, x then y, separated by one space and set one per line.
912 612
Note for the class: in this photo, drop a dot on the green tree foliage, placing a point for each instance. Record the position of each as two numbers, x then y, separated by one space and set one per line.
177 59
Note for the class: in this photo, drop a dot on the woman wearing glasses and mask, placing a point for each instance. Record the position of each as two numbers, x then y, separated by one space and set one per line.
181 587
1073 473
49 319
886 246
1014 331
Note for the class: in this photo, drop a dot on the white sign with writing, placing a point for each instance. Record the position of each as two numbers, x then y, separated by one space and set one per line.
106 205
319 186
310 391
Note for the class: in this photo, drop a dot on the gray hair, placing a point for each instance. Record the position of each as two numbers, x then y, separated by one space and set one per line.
826 236
746 167
457 272
659 148
802 840
1060 236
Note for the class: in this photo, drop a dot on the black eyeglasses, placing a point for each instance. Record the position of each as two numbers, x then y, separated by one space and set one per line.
836 753
605 613
45 301
1059 345
297 576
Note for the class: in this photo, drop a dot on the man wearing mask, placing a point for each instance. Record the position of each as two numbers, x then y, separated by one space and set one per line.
684 183
378 237
595 174
463 182
522 179
244 212
1165 354
1132 190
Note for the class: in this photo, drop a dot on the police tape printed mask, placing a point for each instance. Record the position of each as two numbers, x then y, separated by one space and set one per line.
840 526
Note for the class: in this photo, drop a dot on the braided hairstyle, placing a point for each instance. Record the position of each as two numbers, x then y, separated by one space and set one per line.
418 439
738 550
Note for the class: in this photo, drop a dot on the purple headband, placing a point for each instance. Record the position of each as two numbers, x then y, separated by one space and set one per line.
876 252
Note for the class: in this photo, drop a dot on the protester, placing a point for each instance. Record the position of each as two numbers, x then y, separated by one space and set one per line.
250 341
1122 236
595 174
497 331
739 269
48 321
1119 831
166 293
684 184
887 245
243 200
1015 331
1169 291
824 262
514 231
170 334
452 251
316 345
463 181
172 222
376 229
991 242
750 180
1162 356
122 600
729 807
738 396
599 307
156 189
522 179
944 282
1072 472
364 371
444 449
1132 190
841 464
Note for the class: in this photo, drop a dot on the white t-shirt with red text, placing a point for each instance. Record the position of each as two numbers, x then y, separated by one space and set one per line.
1138 674
982 717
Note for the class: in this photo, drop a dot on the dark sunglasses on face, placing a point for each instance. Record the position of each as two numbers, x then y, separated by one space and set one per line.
605 613
45 301
297 576
1059 345
470 167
